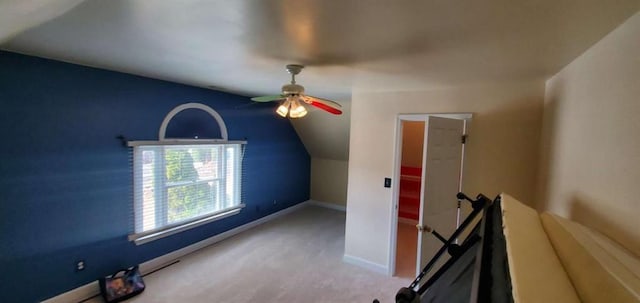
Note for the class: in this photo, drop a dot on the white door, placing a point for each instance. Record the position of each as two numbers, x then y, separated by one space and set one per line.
441 181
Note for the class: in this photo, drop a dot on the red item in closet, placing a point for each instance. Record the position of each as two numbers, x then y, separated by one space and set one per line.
410 184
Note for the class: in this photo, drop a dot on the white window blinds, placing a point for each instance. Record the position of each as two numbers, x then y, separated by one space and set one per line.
177 185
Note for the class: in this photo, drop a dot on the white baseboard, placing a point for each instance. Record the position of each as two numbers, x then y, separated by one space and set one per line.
92 289
366 264
328 205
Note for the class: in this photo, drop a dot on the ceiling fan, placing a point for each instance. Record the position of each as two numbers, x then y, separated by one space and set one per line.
293 96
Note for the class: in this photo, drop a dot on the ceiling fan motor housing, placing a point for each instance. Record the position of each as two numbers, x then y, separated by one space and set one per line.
294 69
292 89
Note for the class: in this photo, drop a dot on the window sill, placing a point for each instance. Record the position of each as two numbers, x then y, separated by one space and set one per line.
143 238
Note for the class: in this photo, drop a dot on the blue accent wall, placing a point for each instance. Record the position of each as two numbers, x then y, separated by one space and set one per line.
66 181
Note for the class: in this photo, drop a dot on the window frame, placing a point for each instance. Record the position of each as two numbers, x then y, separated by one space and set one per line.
168 229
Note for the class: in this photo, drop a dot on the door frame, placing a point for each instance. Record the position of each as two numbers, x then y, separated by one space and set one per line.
397 163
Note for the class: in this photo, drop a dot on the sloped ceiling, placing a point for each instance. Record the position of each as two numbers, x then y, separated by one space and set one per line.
379 45
17 16
324 136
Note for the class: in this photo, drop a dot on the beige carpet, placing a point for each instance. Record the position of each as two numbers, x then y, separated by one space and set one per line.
295 258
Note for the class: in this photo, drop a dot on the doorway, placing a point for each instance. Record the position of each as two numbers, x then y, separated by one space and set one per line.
429 162
409 192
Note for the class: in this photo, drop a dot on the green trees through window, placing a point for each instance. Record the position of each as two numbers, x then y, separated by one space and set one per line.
187 197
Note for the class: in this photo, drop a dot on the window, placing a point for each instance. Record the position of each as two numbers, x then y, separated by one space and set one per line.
181 186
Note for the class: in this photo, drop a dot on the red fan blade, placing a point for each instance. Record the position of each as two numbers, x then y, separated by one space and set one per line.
324 106
325 101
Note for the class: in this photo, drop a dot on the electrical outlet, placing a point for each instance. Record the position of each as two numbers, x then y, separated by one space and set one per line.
275 202
80 265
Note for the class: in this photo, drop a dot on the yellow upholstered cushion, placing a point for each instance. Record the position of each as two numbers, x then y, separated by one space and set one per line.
599 269
536 272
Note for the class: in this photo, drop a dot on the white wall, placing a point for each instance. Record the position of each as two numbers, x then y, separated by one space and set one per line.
329 180
502 152
590 163
326 138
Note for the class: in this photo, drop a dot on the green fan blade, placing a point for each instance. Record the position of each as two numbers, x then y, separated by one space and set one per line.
268 98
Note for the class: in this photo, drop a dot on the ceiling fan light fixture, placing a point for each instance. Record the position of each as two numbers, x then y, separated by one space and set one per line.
297 110
283 109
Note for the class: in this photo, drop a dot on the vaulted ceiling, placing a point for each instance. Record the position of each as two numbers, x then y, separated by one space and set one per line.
242 46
